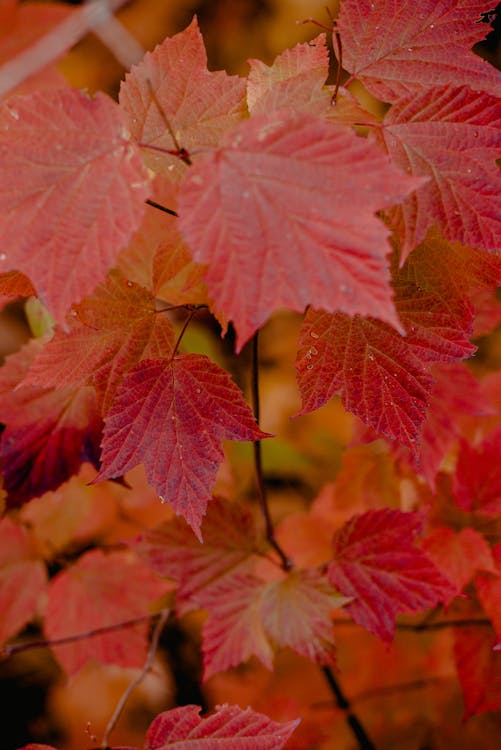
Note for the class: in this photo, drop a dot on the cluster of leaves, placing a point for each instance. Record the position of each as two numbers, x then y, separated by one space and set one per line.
277 191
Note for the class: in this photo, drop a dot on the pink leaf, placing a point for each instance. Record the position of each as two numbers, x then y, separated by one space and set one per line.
396 48
477 481
49 432
91 594
110 331
267 206
250 617
172 415
451 136
230 541
229 726
22 579
199 104
65 217
376 562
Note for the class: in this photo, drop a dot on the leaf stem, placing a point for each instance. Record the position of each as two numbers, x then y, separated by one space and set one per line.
180 152
364 742
258 463
137 680
166 210
182 332
17 648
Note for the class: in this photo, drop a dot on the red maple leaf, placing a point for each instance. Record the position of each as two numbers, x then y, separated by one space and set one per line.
458 555
375 562
478 666
22 578
90 595
398 48
49 432
110 332
248 616
294 80
172 415
267 206
65 217
229 726
456 393
477 481
231 539
451 136
199 104
383 377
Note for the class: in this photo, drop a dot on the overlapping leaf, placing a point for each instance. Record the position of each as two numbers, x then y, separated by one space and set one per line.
268 206
396 48
375 562
73 191
13 285
90 595
22 579
250 617
477 481
49 432
295 80
173 83
157 257
229 726
451 136
383 377
458 555
456 393
172 415
478 665
230 541
112 330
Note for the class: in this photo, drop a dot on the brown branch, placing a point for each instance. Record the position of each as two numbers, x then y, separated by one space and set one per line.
356 726
258 463
137 680
420 627
166 210
16 648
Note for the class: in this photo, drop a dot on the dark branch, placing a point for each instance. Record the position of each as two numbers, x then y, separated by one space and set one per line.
356 726
161 208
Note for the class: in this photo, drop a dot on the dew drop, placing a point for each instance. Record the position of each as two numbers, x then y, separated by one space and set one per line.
314 350
309 367
432 25
199 390
14 113
170 167
475 133
129 283
410 49
73 313
162 499
314 335
3 256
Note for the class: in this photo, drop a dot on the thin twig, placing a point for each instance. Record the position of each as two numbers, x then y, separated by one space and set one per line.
54 44
166 210
336 38
420 627
16 648
146 668
183 329
258 463
356 726
179 150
